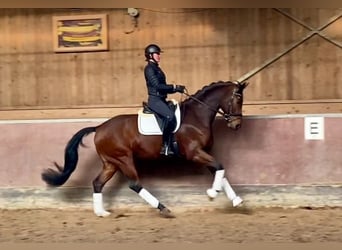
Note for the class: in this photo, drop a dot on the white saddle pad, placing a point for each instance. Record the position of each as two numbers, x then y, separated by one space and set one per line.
148 125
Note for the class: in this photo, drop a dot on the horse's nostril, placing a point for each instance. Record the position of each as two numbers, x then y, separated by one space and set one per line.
238 126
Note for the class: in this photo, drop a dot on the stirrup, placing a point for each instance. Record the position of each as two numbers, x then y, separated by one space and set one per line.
166 150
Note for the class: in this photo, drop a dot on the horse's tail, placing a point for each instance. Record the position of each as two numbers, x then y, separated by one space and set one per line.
61 175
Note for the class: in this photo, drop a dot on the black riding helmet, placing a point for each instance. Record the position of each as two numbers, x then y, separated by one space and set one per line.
150 49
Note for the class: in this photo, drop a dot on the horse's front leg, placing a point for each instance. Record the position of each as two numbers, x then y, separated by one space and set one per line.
236 200
220 181
218 172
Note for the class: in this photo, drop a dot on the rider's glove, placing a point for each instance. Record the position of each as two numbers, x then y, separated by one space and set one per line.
180 88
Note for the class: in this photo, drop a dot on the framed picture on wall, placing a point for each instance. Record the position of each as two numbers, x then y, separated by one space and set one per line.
80 33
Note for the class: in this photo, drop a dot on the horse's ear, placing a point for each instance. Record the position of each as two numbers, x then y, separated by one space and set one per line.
243 85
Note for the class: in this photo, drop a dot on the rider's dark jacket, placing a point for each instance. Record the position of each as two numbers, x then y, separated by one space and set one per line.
156 81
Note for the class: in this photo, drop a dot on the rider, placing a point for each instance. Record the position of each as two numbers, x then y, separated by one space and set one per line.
158 90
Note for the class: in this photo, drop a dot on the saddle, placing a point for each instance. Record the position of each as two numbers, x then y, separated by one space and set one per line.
149 123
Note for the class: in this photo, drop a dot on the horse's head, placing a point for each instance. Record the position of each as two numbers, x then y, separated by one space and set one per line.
221 97
232 106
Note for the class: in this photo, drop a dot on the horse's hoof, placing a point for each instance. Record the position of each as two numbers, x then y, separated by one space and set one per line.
237 201
102 214
212 193
166 213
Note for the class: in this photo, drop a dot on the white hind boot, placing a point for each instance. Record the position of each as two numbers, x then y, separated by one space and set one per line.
98 205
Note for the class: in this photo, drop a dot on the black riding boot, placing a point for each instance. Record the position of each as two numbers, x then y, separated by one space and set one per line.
167 147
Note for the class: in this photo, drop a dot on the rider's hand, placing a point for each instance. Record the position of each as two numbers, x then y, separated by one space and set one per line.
180 88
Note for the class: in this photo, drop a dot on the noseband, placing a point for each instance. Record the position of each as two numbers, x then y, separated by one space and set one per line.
227 116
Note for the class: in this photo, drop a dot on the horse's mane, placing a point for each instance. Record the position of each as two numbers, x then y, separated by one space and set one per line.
201 92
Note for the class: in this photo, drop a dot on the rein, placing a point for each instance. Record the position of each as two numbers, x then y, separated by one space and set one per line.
226 116
203 103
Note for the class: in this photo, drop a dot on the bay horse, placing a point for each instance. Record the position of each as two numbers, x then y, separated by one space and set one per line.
118 142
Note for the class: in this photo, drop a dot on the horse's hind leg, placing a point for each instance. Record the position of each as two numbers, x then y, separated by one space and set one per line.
130 172
150 199
106 174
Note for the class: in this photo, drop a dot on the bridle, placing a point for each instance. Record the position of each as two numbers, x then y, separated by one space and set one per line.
229 117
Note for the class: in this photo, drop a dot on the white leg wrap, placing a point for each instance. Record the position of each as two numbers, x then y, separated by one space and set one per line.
236 200
217 184
228 189
98 205
149 198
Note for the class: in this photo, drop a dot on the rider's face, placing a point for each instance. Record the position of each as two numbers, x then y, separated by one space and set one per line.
156 57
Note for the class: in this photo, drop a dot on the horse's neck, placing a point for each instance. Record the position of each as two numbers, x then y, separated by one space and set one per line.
202 114
199 116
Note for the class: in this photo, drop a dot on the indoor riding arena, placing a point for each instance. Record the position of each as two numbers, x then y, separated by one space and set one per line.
63 69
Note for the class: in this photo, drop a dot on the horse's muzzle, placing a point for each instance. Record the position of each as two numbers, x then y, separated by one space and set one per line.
234 126
234 123
237 126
